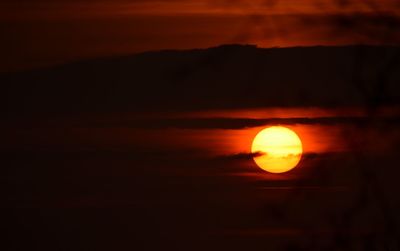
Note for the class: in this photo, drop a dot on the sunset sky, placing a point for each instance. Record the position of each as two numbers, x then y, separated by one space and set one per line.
200 125
36 33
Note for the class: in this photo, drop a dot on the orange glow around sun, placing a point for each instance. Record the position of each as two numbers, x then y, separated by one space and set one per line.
277 149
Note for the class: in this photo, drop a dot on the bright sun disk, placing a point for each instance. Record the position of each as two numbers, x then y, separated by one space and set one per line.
277 149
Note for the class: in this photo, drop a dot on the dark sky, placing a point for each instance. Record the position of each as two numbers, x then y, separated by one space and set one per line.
42 32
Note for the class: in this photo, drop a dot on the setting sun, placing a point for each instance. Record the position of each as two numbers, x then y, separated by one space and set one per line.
277 149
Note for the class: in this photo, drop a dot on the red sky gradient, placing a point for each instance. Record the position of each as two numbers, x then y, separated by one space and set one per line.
46 32
60 9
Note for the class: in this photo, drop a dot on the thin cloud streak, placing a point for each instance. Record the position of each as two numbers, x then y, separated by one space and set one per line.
216 123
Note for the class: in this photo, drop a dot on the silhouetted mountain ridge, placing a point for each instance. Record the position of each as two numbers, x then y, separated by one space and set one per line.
228 76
